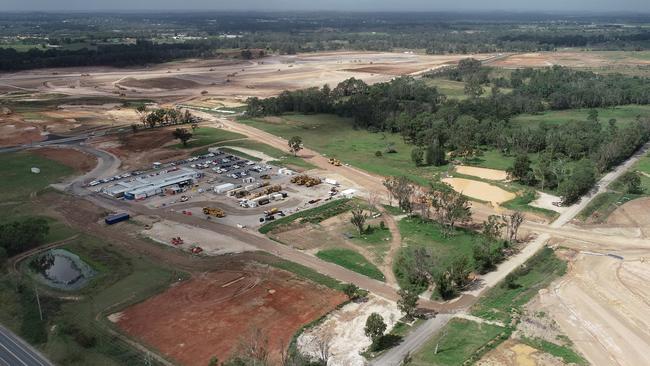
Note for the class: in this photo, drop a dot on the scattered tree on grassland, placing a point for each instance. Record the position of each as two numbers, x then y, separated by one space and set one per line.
493 226
295 145
182 134
417 155
632 182
579 182
408 302
521 170
400 188
358 218
451 207
375 327
512 221
454 278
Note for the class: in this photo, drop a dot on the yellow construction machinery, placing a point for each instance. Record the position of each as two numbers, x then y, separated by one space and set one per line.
305 180
216 212
335 162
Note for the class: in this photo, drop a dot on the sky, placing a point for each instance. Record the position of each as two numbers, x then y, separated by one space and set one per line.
635 6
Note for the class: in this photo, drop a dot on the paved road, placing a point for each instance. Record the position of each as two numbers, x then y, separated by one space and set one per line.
16 352
413 342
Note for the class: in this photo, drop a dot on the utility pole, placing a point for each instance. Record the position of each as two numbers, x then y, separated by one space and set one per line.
38 301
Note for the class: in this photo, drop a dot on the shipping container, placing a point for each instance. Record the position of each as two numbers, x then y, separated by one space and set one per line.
114 219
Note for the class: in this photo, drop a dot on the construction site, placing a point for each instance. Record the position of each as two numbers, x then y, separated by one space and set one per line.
198 209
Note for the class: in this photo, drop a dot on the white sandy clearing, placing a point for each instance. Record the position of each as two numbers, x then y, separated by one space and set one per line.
212 243
485 173
251 152
115 317
479 190
344 327
546 200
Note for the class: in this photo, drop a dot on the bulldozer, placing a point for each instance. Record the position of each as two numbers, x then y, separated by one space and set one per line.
335 162
217 212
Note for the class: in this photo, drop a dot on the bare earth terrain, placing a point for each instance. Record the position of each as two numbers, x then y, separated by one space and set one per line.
209 315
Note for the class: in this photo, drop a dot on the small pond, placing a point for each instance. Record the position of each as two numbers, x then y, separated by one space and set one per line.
61 269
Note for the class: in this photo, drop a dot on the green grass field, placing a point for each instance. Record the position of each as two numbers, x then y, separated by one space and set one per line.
351 260
458 341
536 274
377 240
335 136
73 334
18 181
623 115
417 232
204 136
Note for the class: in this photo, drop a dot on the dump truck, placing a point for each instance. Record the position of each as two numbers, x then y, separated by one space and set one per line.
114 219
216 212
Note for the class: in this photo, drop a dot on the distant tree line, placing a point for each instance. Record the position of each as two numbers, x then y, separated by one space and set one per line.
140 53
435 124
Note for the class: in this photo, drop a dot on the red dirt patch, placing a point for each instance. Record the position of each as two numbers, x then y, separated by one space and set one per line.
207 315
77 160
17 132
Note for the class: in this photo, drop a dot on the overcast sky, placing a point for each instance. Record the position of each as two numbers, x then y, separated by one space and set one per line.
340 5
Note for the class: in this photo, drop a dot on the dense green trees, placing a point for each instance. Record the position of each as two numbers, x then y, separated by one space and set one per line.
23 234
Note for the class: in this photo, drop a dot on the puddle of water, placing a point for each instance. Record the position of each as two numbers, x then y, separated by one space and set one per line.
61 269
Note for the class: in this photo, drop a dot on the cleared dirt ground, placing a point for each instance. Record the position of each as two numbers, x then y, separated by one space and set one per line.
602 305
571 59
231 80
207 315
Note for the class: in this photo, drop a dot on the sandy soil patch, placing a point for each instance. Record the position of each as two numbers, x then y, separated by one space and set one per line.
344 329
159 83
480 190
513 353
211 242
485 173
208 315
546 201
77 160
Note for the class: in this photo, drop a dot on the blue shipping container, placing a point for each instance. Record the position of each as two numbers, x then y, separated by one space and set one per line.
114 219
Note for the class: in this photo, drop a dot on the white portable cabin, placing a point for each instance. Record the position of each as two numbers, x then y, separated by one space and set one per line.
331 181
248 180
349 193
222 188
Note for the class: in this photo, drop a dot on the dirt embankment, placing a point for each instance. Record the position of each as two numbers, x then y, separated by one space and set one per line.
159 83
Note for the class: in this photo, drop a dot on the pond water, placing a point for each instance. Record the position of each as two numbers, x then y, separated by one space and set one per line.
61 269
